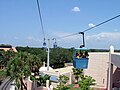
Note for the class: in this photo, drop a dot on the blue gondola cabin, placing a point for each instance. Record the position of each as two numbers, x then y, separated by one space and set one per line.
80 58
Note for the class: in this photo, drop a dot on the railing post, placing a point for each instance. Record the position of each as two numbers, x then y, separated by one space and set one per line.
110 69
111 49
47 84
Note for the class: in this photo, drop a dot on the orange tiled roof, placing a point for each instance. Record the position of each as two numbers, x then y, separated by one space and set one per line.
6 49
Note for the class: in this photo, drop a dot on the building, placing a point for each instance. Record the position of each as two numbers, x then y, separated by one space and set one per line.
104 67
6 48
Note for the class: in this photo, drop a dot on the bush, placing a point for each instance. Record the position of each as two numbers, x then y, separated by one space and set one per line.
62 81
86 82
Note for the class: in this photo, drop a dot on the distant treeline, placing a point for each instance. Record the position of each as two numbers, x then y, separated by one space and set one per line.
28 49
98 50
5 46
101 50
58 56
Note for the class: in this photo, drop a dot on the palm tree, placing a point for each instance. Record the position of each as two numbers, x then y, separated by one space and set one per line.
17 68
21 67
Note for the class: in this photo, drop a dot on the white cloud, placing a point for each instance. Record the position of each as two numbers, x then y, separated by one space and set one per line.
105 36
91 25
76 9
103 40
100 40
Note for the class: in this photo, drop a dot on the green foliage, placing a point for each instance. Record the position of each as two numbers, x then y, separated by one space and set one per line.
98 50
58 56
21 66
78 73
62 88
86 82
42 79
62 81
117 50
5 45
1 57
18 66
2 74
6 56
39 52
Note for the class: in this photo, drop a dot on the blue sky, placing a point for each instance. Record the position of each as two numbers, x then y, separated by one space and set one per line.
20 25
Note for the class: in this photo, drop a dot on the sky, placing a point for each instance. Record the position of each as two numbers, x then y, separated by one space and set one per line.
20 24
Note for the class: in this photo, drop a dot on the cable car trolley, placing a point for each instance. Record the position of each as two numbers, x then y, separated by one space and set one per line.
80 57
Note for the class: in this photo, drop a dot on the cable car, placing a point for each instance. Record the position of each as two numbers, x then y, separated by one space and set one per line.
44 43
55 43
80 57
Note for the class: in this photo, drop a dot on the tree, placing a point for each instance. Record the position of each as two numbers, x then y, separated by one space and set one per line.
78 73
21 67
17 68
42 79
62 81
5 46
6 56
39 52
59 56
86 82
2 57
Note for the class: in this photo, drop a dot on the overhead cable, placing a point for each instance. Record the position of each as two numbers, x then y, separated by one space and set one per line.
91 27
101 23
40 17
68 35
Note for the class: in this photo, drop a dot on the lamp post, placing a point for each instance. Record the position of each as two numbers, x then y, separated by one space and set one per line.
48 55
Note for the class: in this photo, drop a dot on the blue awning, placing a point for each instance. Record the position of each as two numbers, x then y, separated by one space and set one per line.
81 48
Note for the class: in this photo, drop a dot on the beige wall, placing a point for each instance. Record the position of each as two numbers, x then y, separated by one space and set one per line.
98 68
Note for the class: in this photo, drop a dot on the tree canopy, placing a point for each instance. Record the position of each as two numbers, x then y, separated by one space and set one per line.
58 56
